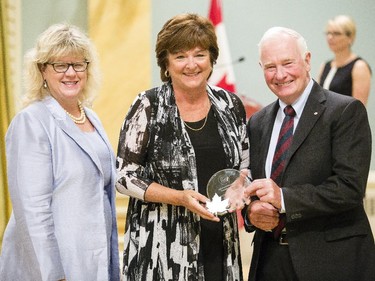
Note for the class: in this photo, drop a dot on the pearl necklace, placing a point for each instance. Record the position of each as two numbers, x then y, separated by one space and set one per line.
82 118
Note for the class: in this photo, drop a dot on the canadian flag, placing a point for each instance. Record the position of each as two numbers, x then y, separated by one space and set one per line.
223 74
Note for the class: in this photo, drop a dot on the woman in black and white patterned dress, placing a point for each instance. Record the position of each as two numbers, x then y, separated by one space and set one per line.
174 138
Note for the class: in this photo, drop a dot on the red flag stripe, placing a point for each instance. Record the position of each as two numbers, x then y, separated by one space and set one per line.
215 12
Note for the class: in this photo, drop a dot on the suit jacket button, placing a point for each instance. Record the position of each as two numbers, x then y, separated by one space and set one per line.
296 216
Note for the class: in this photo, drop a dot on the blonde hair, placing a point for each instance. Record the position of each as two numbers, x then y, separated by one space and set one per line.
57 41
345 24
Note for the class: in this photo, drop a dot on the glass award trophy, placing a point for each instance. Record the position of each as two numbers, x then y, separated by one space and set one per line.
225 189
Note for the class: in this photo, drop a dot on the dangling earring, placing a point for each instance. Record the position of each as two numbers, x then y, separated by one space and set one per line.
45 84
166 73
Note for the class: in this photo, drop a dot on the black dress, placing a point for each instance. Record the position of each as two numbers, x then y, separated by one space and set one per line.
210 158
342 82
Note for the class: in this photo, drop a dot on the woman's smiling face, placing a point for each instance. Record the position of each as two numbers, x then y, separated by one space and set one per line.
189 69
67 85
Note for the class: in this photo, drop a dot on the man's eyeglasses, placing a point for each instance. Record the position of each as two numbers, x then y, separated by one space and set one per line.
62 67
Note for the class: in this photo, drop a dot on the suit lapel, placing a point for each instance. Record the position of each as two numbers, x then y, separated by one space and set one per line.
265 138
68 126
312 111
99 128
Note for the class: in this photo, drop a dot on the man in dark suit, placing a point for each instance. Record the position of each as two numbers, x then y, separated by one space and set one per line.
319 192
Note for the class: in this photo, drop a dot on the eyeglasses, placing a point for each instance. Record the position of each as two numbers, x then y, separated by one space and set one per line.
62 67
333 33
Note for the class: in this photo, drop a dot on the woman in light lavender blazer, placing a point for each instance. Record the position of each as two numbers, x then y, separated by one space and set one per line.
61 169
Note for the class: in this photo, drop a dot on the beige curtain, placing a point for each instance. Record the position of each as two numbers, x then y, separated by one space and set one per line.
121 31
6 113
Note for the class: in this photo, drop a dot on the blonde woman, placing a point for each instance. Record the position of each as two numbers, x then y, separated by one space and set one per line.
61 169
347 73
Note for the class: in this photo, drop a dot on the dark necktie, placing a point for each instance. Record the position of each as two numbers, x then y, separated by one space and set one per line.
281 152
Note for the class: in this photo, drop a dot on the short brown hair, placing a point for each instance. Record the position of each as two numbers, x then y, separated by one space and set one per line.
184 32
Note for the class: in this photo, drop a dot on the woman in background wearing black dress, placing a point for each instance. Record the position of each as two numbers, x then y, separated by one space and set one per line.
346 73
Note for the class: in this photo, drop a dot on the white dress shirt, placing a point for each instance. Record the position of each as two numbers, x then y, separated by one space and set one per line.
298 106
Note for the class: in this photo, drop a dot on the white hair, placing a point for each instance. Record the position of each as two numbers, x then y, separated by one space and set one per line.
278 30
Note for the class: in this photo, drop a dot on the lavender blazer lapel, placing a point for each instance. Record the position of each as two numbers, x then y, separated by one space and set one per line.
68 126
100 129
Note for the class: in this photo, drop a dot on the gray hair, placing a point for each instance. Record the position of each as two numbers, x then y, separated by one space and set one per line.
278 30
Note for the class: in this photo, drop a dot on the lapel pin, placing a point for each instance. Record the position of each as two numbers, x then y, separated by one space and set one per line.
315 113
